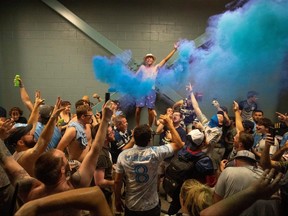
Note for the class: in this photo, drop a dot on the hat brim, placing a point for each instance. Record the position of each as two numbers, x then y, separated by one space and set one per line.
149 56
17 134
245 158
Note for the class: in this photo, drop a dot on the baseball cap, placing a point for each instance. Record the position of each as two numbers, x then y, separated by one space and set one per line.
245 154
196 137
17 134
45 111
150 55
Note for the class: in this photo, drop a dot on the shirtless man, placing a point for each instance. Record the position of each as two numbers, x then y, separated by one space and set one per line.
77 137
27 150
149 71
51 168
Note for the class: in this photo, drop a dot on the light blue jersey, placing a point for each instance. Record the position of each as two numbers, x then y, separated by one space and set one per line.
140 165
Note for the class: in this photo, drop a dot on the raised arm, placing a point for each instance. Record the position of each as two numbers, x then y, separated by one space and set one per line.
88 165
30 156
176 141
265 159
226 117
33 119
279 153
238 118
91 199
194 102
24 96
15 172
168 56
67 138
282 117
160 128
177 104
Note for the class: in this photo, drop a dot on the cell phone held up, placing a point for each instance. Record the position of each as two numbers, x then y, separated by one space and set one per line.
272 132
107 96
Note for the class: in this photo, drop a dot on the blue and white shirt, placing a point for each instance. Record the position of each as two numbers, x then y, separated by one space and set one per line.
140 165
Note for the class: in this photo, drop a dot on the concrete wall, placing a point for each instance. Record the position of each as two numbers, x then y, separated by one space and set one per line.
53 56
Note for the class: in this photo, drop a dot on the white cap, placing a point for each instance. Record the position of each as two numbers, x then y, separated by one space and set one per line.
150 55
196 136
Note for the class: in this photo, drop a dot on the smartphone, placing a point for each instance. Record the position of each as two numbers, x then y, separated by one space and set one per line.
272 132
107 96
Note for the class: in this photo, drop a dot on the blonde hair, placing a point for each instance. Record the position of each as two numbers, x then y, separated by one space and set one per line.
196 196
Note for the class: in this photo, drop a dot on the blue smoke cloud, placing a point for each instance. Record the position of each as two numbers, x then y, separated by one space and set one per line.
246 52
115 72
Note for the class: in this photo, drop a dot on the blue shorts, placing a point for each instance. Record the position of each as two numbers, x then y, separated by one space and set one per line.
148 100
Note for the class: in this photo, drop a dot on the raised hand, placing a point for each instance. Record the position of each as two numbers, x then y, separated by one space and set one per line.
6 128
108 110
176 45
57 108
235 106
282 117
268 184
165 120
189 87
38 100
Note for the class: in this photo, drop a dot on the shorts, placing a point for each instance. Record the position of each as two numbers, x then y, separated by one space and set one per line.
148 100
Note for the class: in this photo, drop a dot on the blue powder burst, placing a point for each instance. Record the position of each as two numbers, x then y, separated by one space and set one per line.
247 52
117 75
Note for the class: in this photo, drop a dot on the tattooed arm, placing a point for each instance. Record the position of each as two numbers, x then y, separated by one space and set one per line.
15 172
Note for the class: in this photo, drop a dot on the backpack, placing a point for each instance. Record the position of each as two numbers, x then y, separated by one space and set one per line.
177 172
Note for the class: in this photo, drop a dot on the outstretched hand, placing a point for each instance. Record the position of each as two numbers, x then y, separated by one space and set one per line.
38 100
6 128
108 110
268 184
189 87
176 45
57 108
235 106
165 120
282 117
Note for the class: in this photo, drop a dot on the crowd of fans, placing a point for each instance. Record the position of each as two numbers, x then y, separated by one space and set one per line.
88 163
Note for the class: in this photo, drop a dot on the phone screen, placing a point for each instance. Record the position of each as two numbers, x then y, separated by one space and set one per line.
107 96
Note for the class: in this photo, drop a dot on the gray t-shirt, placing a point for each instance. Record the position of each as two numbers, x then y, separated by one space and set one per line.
235 179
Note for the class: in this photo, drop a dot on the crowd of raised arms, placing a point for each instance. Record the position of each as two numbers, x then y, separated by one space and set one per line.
57 163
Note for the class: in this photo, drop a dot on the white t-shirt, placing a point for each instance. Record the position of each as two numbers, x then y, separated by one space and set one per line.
140 165
261 145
